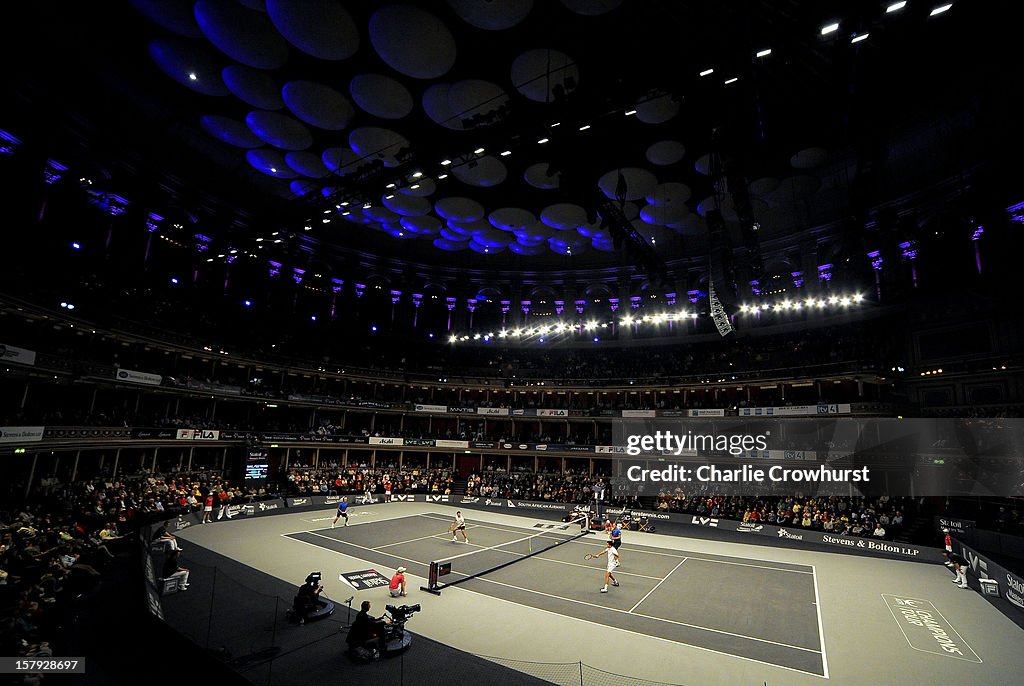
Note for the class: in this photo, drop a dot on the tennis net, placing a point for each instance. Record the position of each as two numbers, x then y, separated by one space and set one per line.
461 568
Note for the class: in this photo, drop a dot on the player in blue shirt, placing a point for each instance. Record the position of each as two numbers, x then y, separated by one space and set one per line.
616 538
342 507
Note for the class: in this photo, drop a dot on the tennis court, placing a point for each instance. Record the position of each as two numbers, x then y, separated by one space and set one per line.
753 609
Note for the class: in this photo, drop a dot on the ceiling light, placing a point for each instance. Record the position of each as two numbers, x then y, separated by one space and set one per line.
584 127
445 163
389 196
858 39
345 213
414 186
326 220
940 9
542 141
417 175
259 240
895 7
506 153
192 76
327 211
273 169
630 112
479 151
344 204
732 80
707 72
390 185
557 123
442 176
829 28
765 52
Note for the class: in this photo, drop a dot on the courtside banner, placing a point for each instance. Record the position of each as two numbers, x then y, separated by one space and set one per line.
21 434
1010 599
138 377
823 456
8 353
857 545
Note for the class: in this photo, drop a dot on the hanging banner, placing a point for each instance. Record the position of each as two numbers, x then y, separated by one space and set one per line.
382 440
138 377
21 434
8 353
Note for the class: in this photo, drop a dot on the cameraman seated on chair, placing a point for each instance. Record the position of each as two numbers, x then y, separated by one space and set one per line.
307 597
366 632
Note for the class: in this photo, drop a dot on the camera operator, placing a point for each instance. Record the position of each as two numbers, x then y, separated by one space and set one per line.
366 632
307 597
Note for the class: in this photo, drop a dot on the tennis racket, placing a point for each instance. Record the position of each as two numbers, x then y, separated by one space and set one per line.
590 556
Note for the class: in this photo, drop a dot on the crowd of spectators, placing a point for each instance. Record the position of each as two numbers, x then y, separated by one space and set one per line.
881 517
563 487
330 479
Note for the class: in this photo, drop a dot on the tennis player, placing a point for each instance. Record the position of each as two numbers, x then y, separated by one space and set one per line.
342 512
615 535
459 524
613 560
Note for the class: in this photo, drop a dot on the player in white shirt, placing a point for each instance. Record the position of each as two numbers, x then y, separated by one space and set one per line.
459 524
613 560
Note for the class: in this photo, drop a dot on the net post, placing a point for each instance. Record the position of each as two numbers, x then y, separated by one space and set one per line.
432 585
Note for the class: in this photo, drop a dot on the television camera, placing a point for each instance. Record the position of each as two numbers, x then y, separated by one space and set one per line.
396 639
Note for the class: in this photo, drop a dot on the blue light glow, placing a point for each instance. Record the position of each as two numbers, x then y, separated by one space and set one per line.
174 280
247 303
76 245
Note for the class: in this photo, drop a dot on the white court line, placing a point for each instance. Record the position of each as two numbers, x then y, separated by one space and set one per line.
656 586
821 628
587 621
675 555
583 602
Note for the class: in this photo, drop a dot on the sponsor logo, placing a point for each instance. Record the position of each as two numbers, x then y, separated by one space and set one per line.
783 533
926 629
495 503
506 446
891 548
1015 590
651 515
404 498
468 501
248 510
300 501
331 499
437 498
198 435
704 521
541 446
537 506
381 440
747 526
523 446
232 510
264 506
